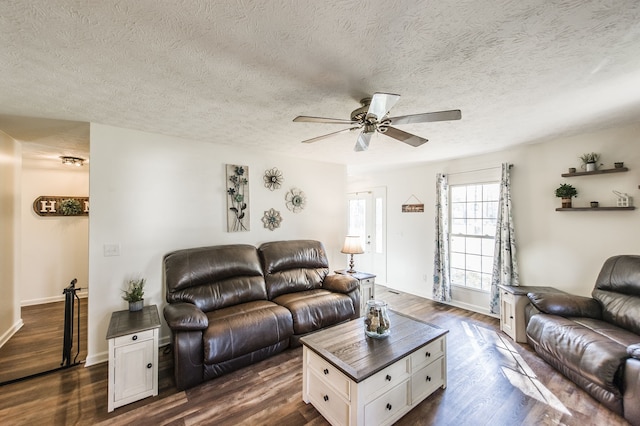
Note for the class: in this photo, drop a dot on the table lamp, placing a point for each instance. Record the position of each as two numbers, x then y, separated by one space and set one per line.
352 246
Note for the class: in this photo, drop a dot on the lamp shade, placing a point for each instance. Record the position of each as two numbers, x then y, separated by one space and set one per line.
352 245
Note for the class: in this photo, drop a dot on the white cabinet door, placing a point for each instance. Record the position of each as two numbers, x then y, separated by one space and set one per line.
133 369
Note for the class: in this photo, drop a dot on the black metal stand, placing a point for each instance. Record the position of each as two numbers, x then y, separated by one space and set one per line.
69 304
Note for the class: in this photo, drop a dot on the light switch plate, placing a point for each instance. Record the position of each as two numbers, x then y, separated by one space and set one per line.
111 250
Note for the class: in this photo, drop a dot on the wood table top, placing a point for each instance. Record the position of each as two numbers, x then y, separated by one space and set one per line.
125 322
347 347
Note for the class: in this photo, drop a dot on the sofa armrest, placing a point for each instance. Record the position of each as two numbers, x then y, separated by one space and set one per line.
631 394
340 283
185 317
566 305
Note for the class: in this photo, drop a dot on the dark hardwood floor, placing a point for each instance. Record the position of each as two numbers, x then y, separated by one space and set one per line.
491 381
37 346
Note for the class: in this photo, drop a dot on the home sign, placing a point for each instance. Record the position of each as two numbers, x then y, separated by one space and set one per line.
46 205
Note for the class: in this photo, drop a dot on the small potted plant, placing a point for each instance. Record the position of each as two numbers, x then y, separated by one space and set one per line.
590 161
134 294
566 192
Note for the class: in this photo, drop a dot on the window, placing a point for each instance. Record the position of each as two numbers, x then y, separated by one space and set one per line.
473 212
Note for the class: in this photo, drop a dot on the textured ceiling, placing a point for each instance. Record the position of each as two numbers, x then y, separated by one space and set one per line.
238 72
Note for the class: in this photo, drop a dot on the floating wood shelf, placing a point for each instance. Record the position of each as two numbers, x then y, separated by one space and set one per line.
597 172
582 209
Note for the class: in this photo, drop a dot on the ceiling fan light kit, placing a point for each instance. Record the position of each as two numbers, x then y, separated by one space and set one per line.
373 117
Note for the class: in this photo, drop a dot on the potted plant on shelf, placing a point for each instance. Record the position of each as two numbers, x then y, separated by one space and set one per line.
134 294
590 161
566 192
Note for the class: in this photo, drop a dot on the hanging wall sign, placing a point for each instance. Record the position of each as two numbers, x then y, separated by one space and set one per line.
47 205
413 205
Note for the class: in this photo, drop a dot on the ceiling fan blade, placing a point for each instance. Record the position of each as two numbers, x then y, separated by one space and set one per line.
381 103
307 119
405 137
453 114
329 135
362 144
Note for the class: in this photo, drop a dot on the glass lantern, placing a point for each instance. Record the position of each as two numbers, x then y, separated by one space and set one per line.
376 323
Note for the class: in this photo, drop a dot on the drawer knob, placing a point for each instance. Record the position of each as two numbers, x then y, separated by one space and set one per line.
510 316
388 378
149 365
326 397
428 379
428 354
135 337
325 371
388 406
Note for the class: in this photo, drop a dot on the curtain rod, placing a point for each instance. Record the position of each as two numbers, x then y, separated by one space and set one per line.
478 170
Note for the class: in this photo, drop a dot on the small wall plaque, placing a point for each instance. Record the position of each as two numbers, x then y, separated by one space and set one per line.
48 205
416 207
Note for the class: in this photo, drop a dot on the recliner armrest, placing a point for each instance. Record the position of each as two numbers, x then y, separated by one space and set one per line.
566 305
185 316
340 283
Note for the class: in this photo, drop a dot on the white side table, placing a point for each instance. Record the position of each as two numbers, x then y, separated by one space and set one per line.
367 284
133 356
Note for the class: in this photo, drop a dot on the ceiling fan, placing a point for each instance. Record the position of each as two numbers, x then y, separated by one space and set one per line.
373 117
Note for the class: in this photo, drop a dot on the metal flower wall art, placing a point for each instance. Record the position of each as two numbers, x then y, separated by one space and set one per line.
271 219
273 179
296 200
237 198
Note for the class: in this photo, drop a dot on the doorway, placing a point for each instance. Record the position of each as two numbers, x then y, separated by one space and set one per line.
367 219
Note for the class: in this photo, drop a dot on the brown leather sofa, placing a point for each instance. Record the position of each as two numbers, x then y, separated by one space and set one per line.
229 306
595 341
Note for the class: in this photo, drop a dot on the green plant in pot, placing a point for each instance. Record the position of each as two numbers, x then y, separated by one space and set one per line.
590 161
134 294
566 192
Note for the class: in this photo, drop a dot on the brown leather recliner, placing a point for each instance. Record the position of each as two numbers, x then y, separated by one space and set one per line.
595 341
223 316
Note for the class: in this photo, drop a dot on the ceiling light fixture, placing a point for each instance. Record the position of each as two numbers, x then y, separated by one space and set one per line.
72 161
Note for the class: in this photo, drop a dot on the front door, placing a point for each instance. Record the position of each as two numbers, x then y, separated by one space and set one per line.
367 219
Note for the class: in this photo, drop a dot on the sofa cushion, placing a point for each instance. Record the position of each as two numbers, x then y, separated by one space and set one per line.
214 277
314 309
238 330
585 348
292 266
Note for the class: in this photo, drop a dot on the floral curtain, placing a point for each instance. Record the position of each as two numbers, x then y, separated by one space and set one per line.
505 266
441 283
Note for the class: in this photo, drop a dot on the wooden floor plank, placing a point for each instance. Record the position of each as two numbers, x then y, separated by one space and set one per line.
491 381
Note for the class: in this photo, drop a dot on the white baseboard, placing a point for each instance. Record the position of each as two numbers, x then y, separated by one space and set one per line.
10 332
51 299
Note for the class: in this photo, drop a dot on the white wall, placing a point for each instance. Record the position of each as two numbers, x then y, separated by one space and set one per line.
151 194
54 248
560 249
10 161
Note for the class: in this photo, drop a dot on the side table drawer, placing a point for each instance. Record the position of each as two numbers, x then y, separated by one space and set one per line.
327 401
427 354
425 381
133 338
330 374
385 406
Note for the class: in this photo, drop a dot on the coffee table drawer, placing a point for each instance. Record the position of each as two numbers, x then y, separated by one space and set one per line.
327 401
380 410
427 354
425 381
386 379
329 374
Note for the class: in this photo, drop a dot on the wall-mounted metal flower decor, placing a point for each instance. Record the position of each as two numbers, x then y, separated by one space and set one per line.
273 179
271 219
296 200
238 198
